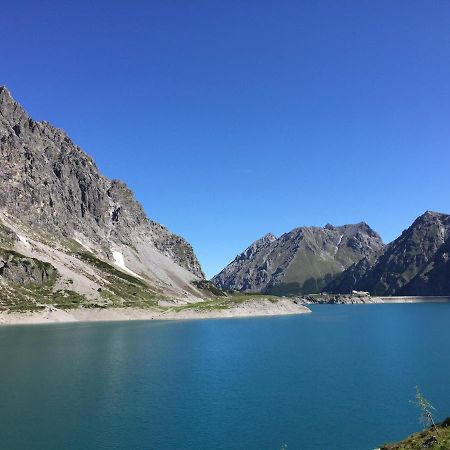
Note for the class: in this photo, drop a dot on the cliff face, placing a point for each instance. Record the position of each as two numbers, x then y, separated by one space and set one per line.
416 263
434 277
50 190
302 261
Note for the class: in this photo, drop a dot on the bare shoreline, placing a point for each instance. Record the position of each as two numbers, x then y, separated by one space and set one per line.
54 315
259 308
417 299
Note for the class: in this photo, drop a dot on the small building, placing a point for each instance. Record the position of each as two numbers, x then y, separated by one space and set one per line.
361 293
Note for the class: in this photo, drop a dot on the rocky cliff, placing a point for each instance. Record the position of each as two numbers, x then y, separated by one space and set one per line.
344 259
416 263
57 207
302 261
434 277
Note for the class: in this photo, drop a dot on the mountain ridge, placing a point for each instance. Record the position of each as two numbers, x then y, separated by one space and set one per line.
300 261
403 260
55 204
416 263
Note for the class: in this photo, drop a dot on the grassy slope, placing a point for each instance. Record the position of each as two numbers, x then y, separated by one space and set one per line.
307 265
220 303
425 439
117 288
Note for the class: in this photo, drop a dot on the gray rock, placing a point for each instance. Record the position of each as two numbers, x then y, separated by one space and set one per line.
302 261
21 270
52 188
416 263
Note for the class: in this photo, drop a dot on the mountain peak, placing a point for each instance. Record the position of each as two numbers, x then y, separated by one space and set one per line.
412 264
9 108
6 97
268 237
4 91
300 261
432 214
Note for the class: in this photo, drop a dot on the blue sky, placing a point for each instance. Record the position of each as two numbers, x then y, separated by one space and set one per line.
230 119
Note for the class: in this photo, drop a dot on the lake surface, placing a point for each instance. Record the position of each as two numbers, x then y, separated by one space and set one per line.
340 378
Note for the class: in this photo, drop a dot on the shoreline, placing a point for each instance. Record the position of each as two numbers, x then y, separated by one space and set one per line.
259 308
417 299
245 310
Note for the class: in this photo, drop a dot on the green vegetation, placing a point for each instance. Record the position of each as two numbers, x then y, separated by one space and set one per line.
228 302
434 437
91 259
121 293
31 286
7 236
28 264
306 274
427 439
211 287
67 299
121 289
426 408
27 283
20 298
208 305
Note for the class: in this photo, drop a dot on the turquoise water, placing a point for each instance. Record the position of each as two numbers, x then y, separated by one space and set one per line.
338 379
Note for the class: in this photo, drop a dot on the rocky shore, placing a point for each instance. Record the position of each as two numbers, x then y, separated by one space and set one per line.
201 310
338 299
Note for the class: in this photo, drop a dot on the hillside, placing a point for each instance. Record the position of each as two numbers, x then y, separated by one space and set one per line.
302 261
71 237
416 263
425 440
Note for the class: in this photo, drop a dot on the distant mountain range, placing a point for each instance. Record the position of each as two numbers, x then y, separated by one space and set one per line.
302 261
346 258
416 263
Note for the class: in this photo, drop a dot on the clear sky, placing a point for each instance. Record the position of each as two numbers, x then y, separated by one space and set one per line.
230 119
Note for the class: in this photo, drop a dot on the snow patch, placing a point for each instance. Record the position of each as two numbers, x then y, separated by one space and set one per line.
120 262
83 245
337 245
23 239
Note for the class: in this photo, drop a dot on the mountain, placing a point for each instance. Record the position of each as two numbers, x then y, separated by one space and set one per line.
59 214
416 263
302 261
434 278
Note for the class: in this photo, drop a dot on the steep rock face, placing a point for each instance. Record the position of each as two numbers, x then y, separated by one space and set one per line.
350 278
240 275
434 278
302 261
407 265
50 186
19 269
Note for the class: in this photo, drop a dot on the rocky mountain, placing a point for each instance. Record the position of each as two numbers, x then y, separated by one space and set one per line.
302 261
416 263
56 207
434 277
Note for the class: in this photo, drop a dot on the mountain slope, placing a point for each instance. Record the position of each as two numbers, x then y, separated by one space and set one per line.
56 206
434 278
414 264
302 261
